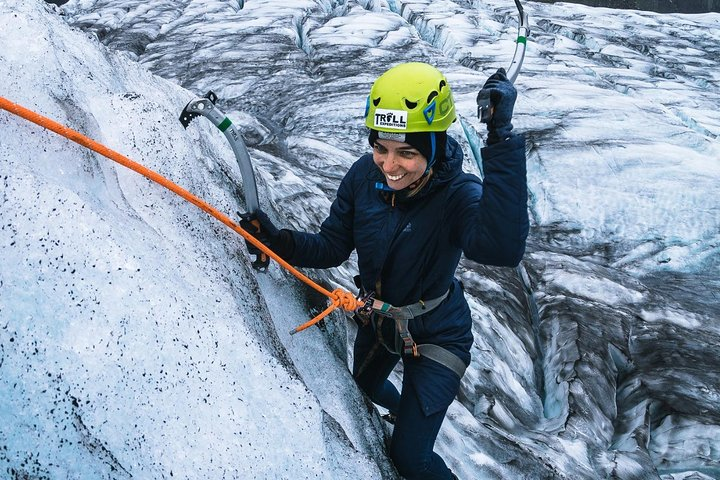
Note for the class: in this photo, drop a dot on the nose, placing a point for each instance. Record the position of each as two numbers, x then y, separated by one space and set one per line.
389 162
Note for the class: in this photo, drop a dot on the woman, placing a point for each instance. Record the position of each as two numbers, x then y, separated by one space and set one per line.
410 212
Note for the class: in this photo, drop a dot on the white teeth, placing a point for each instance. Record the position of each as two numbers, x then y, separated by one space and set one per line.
395 178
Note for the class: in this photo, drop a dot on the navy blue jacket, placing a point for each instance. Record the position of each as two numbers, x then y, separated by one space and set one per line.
413 247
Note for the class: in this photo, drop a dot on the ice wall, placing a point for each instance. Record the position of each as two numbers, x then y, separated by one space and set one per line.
134 340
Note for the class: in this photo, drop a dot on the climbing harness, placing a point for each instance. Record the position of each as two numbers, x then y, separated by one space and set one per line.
373 309
338 297
485 107
403 315
206 107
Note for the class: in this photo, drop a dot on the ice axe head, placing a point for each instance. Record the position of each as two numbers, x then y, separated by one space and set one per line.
194 107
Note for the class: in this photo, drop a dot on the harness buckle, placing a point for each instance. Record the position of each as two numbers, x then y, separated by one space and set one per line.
409 346
365 311
367 300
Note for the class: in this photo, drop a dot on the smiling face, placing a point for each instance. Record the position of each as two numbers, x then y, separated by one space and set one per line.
401 163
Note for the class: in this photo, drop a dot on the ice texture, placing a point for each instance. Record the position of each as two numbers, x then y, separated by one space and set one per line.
136 340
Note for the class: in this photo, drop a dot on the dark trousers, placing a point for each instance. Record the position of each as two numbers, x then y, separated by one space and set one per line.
414 434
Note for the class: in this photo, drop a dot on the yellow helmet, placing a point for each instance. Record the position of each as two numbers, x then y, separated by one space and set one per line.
411 97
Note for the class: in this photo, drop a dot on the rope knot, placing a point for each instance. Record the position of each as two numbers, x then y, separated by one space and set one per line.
345 299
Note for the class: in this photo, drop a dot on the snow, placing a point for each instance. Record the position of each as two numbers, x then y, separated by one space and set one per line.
130 343
136 340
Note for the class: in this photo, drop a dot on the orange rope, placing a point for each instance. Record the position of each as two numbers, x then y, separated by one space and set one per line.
339 297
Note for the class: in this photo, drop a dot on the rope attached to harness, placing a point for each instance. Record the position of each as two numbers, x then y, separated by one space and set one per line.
402 317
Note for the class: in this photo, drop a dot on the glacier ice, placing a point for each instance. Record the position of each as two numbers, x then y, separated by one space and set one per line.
597 359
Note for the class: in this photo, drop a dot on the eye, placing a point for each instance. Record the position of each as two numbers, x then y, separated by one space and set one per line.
408 153
432 95
409 104
379 148
376 101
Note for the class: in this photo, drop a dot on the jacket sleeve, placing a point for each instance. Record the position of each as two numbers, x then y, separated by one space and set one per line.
335 242
490 218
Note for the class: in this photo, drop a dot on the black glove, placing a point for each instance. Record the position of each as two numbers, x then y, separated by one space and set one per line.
502 96
279 241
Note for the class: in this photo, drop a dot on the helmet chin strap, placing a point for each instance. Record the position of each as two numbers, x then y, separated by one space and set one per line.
431 160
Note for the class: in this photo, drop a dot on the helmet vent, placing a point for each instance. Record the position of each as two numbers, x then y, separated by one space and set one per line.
376 101
432 95
409 104
442 84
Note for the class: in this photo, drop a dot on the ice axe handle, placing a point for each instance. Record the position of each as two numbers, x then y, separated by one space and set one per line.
262 261
485 107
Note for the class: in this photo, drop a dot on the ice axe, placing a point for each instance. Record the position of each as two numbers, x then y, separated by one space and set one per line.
205 106
485 107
